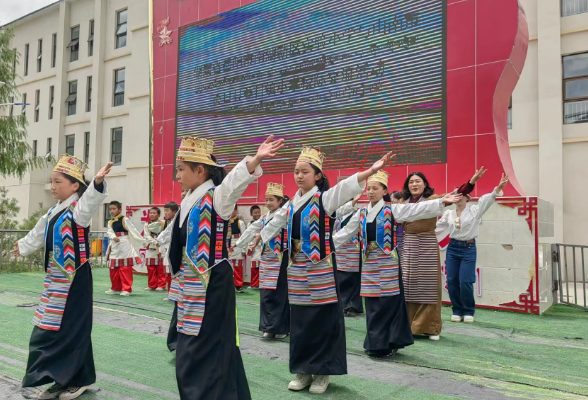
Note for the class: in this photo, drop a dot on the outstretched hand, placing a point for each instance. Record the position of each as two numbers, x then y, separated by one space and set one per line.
15 251
269 148
356 199
503 182
479 173
105 170
451 198
381 163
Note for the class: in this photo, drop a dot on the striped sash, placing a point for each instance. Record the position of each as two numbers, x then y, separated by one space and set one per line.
380 273
310 284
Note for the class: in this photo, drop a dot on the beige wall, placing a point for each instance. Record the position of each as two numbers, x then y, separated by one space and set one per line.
549 158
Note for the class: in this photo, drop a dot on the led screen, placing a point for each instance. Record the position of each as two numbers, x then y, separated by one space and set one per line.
355 78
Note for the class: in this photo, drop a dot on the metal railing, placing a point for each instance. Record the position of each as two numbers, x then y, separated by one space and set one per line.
34 262
569 274
573 7
576 112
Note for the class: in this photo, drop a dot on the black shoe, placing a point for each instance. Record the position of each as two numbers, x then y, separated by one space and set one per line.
351 312
382 354
239 290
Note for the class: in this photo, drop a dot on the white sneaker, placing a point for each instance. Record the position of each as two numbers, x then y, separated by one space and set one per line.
148 289
166 299
469 319
51 392
72 393
434 337
159 289
125 294
320 384
280 336
456 318
301 381
110 291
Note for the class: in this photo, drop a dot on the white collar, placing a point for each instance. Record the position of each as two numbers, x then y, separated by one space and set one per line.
62 205
269 216
191 198
299 200
375 210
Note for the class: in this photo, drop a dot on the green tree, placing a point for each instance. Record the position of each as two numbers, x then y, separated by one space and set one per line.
29 223
8 210
16 155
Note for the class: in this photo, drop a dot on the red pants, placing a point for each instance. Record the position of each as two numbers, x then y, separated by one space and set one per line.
122 279
238 273
168 281
156 276
254 273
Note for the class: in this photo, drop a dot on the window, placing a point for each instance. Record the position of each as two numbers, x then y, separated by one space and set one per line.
39 54
74 44
72 98
49 149
34 148
107 216
119 87
86 147
11 110
53 49
89 94
121 29
510 113
575 71
116 147
70 144
24 104
573 7
51 96
26 62
91 39
37 99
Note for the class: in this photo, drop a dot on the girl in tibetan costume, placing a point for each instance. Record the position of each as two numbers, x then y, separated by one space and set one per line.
208 360
60 349
388 327
317 327
348 264
274 310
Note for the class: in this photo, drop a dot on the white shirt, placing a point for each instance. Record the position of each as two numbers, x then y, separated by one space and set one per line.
333 198
402 213
470 219
82 215
253 229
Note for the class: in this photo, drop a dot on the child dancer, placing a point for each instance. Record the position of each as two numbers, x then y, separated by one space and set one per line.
274 310
236 227
169 212
122 254
153 259
254 251
208 360
317 327
60 348
388 327
348 264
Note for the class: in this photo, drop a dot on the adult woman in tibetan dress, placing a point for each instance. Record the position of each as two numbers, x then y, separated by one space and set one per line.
348 264
60 349
317 327
274 308
421 264
208 360
388 327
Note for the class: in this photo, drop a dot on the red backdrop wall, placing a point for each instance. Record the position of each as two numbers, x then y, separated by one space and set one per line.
486 49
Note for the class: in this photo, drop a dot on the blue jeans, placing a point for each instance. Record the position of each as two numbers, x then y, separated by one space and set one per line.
461 275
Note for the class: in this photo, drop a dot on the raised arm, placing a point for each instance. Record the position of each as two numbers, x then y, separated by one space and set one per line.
249 234
133 232
348 231
92 198
34 240
165 237
278 222
488 199
410 212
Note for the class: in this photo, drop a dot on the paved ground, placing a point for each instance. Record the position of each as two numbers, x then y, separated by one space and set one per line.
502 356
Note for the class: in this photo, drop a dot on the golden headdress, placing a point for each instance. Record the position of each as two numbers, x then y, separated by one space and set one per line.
275 189
380 176
72 166
196 150
312 156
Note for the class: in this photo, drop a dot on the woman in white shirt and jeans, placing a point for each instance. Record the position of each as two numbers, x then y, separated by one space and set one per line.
463 225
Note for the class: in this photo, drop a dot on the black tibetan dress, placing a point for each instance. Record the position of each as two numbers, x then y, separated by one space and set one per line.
209 366
349 283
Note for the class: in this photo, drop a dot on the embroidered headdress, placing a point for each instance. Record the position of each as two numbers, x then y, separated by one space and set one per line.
312 156
196 150
380 176
275 189
72 166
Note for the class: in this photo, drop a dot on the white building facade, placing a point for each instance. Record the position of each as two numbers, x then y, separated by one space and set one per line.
84 68
549 134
